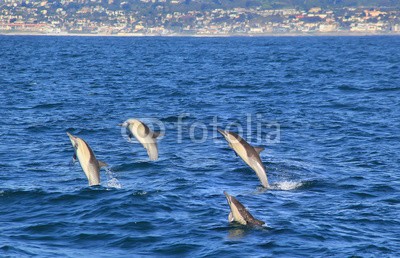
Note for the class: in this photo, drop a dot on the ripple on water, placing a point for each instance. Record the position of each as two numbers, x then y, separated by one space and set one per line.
11 250
136 242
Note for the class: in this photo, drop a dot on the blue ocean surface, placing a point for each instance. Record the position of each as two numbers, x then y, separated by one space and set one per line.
326 109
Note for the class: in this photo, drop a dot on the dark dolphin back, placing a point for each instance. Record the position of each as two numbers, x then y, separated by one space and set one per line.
246 214
251 152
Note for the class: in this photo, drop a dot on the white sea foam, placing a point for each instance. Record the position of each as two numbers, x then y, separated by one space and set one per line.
112 181
286 185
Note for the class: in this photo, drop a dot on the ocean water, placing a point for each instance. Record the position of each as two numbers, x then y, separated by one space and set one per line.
326 109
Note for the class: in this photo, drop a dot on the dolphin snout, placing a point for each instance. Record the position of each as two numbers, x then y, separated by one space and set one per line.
221 132
228 197
73 139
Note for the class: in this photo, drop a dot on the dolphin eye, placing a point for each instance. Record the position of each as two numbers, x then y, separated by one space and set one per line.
76 146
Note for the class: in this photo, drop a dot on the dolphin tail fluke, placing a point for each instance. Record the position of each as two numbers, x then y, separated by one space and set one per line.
264 181
152 151
153 156
262 175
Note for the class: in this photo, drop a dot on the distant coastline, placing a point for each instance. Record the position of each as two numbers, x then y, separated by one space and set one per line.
97 18
289 34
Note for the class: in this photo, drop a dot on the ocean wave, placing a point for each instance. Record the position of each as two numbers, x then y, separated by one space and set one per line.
48 105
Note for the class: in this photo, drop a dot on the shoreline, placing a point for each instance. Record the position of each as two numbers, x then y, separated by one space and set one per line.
313 34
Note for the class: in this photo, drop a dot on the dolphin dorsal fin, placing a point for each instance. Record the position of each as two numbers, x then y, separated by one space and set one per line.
156 134
260 222
102 164
259 149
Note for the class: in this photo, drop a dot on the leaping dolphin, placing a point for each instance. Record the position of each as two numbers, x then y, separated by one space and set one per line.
239 213
144 135
90 165
249 154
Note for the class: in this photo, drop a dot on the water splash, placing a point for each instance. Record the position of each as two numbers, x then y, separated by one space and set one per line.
286 185
112 181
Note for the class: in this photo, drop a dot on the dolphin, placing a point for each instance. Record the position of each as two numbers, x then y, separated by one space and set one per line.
239 213
90 165
249 154
144 135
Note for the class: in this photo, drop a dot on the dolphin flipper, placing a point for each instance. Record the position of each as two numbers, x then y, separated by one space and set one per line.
230 217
